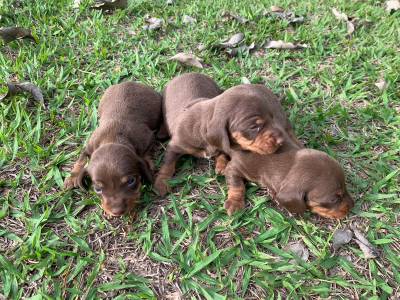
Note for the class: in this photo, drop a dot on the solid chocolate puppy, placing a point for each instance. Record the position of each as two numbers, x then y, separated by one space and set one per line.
205 123
118 149
299 178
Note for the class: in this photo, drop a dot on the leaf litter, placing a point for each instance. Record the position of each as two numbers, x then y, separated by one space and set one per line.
188 59
341 237
9 34
278 12
153 23
108 5
188 20
392 5
284 45
18 88
343 17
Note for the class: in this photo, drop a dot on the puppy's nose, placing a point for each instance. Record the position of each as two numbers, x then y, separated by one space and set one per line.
118 211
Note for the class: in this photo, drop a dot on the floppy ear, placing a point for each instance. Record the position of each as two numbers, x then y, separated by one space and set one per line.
217 132
84 181
291 196
145 171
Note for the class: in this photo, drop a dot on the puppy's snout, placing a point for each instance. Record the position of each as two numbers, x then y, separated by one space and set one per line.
118 211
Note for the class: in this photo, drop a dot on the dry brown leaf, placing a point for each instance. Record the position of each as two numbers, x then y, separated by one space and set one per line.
154 24
341 237
17 88
284 45
10 34
392 5
275 8
233 41
174 296
381 84
110 4
188 59
289 16
188 20
365 246
238 18
340 16
350 27
241 49
299 249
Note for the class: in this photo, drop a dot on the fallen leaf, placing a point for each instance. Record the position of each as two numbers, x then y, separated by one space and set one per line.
365 246
10 34
341 237
284 45
76 4
289 16
187 59
238 18
381 84
299 249
275 8
245 80
241 49
340 16
170 2
188 20
233 41
154 23
392 5
17 88
350 27
110 4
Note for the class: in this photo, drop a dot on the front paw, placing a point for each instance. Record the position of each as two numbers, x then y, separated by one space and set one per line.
161 186
233 205
71 182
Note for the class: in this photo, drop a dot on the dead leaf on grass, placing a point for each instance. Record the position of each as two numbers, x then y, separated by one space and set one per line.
170 2
381 84
76 4
299 249
365 246
230 16
392 5
174 296
188 20
9 34
17 88
284 45
241 49
188 59
154 24
339 15
275 8
341 237
343 17
280 13
233 41
110 4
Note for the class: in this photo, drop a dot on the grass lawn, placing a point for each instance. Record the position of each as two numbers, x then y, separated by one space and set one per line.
58 245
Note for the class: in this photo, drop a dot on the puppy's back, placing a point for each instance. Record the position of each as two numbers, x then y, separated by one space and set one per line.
184 90
131 102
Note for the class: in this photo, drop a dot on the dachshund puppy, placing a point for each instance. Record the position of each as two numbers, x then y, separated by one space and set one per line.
299 179
118 149
205 123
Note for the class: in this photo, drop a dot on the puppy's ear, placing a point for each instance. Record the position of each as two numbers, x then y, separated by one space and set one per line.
84 181
291 196
218 133
145 171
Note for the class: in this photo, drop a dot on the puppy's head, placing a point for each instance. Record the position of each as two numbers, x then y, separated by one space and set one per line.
245 115
116 173
315 182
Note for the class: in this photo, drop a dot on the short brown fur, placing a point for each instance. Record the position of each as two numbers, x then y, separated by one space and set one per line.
129 114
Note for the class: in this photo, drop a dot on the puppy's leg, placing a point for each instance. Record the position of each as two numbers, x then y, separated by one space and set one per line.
236 192
220 163
72 181
172 155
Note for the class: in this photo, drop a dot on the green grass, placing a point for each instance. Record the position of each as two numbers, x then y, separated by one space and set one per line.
57 244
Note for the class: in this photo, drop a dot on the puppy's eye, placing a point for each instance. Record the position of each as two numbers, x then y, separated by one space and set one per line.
97 189
131 182
255 127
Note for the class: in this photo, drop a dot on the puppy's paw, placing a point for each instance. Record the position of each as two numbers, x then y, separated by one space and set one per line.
161 186
71 182
233 206
220 165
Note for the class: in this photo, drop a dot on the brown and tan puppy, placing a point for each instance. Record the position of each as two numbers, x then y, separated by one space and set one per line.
299 179
118 149
205 123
